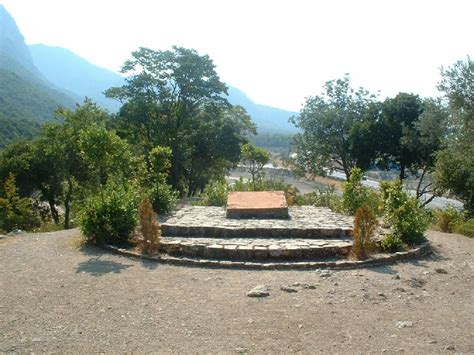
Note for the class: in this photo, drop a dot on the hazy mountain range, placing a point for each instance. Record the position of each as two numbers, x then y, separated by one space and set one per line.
35 79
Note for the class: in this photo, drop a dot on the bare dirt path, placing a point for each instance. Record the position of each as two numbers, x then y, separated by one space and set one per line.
58 297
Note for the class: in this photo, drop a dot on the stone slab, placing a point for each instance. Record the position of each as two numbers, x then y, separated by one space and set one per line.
305 222
257 204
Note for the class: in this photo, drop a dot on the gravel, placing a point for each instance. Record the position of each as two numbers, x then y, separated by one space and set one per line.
57 296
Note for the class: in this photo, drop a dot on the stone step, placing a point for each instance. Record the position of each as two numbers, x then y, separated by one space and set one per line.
243 249
306 222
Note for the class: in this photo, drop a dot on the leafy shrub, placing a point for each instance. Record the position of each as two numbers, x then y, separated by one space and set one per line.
322 198
392 243
215 194
163 197
365 225
408 220
110 216
465 228
448 218
355 194
16 212
149 228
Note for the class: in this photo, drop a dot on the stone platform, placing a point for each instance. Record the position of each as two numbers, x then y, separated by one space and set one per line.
305 222
257 204
245 249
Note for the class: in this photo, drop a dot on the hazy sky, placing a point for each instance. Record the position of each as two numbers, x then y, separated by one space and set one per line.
278 52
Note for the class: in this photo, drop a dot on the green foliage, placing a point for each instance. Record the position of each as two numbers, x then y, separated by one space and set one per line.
355 194
322 198
16 212
393 243
255 158
448 218
175 99
163 197
365 225
12 129
465 227
215 194
336 129
454 164
110 216
408 220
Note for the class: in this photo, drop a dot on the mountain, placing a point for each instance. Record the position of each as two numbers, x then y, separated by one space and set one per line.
24 91
73 73
69 71
268 119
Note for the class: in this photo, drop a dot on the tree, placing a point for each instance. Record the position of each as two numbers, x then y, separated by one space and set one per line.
397 120
454 164
255 158
167 99
335 129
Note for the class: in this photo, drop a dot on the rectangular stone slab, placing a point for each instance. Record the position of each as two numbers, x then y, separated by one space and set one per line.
257 204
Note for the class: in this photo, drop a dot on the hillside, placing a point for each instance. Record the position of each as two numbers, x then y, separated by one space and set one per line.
69 71
268 119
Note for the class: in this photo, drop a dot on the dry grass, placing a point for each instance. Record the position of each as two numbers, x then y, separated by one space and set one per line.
149 228
365 225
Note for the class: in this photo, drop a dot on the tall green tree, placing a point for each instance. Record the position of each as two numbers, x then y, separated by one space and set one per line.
455 163
164 96
255 158
397 119
335 130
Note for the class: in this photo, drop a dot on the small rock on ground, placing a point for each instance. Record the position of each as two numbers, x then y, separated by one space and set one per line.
259 291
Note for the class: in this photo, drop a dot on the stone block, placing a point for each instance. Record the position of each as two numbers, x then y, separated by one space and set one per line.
257 204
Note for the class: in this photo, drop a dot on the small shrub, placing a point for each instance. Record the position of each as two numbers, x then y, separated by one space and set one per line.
403 212
149 228
163 198
322 198
392 243
448 218
355 194
110 216
215 194
465 228
16 212
365 225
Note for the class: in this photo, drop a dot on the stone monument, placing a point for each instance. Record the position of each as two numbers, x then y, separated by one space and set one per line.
257 204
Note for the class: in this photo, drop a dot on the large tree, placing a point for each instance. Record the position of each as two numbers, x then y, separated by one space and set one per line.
169 98
335 129
455 163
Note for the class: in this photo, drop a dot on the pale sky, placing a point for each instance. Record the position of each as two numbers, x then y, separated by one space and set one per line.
277 52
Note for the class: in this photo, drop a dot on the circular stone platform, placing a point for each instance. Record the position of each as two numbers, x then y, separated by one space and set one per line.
305 222
255 249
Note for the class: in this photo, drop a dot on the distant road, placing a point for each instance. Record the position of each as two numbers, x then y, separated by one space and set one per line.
307 186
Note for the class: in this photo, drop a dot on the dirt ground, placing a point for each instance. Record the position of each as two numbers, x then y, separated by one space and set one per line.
56 296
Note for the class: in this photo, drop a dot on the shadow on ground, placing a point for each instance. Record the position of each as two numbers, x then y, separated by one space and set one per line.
97 267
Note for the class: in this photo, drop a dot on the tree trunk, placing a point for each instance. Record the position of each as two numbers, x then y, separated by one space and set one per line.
67 206
402 172
54 211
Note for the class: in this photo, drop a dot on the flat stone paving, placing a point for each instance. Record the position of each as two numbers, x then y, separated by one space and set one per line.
305 222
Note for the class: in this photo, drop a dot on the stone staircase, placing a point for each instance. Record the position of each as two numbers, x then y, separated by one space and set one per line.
205 233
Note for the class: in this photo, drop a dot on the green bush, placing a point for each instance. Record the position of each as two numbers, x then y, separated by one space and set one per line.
163 198
322 198
16 212
392 243
110 216
365 226
448 218
465 228
215 194
355 194
408 220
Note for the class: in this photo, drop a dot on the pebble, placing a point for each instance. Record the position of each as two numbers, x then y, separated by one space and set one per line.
441 271
259 291
288 289
404 324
